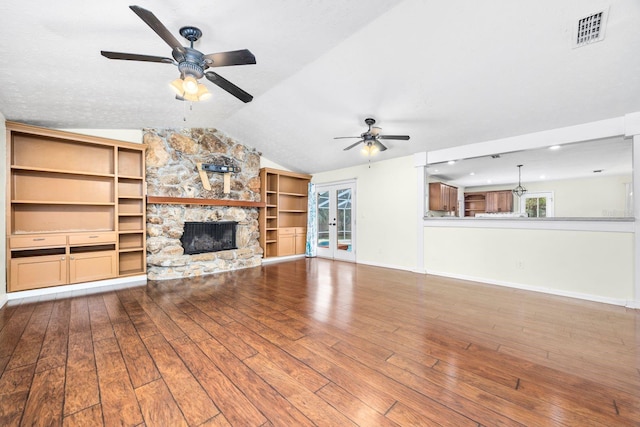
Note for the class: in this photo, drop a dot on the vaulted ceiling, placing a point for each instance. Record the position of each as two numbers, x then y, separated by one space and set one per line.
445 72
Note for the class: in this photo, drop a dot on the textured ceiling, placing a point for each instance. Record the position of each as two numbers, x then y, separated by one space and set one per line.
446 73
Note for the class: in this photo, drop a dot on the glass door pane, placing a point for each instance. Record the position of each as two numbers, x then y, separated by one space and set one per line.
323 219
343 203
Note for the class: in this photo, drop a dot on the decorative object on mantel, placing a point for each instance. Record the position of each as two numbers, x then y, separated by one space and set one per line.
226 170
190 62
519 190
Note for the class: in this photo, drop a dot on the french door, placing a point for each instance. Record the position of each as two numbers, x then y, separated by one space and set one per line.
336 221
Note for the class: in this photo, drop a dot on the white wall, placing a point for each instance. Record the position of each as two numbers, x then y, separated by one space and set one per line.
3 220
128 135
266 163
385 211
591 265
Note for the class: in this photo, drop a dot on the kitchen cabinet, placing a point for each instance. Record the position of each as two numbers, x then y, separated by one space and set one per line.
443 197
499 201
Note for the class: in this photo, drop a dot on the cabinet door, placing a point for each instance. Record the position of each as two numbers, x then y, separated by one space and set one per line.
453 199
505 201
300 240
89 266
286 241
491 201
37 272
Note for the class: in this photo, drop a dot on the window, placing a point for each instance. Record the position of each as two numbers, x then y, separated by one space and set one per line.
537 205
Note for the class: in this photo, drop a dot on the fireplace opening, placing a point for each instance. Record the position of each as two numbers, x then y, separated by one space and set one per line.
201 237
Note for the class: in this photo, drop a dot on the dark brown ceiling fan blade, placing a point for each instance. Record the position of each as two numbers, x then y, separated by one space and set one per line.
228 86
135 57
157 26
400 137
353 145
347 137
379 145
234 57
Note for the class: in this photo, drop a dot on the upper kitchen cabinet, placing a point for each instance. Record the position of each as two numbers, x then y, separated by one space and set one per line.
443 197
499 201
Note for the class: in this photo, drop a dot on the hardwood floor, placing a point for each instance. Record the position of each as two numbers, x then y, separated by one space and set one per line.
316 342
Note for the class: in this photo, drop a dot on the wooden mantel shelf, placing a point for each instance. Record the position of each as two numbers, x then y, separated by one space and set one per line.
161 200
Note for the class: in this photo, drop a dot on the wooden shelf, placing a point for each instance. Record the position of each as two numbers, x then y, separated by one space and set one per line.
160 200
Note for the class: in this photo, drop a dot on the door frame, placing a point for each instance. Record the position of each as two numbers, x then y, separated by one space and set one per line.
332 251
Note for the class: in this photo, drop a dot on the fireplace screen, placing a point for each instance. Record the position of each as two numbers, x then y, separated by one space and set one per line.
200 237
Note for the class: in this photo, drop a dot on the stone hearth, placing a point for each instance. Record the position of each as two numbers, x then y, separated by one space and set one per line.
171 171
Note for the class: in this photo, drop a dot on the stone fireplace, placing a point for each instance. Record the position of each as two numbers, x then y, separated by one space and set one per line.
172 174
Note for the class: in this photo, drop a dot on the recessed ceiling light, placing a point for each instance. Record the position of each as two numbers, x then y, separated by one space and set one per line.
488 181
542 177
554 147
472 173
451 162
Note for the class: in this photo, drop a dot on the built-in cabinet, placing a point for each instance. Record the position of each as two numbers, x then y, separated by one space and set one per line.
443 197
75 208
474 203
488 202
283 221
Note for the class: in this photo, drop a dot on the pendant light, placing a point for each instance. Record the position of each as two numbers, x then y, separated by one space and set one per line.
519 190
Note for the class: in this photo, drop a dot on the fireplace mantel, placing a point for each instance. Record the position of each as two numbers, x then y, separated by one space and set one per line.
161 200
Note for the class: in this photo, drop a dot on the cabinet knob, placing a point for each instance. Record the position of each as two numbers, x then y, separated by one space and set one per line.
62 259
71 257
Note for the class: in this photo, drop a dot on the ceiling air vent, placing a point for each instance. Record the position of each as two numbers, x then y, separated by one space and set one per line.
590 29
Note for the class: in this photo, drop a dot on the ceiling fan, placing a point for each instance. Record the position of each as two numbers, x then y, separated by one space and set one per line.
372 137
191 62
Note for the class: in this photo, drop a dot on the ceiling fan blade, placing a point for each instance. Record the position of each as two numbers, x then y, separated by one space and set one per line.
228 86
347 137
135 57
353 145
234 57
379 145
157 26
401 137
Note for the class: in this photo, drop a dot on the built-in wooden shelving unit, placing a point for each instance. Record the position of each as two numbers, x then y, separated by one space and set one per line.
283 219
75 208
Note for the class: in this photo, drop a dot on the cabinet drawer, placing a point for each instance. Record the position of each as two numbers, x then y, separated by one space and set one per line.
286 230
24 242
91 238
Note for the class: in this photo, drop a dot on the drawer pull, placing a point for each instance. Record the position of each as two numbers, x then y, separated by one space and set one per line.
93 237
39 239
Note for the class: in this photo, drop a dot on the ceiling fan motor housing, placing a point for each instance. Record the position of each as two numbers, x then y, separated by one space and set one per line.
191 63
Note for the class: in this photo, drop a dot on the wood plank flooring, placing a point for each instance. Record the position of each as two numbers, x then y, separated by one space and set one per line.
316 342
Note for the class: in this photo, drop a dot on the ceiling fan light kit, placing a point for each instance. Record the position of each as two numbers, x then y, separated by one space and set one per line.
190 62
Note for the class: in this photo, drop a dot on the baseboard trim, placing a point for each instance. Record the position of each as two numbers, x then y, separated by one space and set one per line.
271 260
3 300
82 288
391 266
550 291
